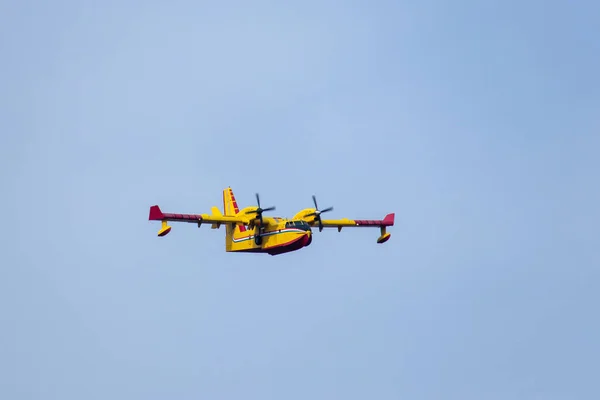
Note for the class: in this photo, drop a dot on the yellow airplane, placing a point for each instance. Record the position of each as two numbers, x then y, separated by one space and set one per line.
245 232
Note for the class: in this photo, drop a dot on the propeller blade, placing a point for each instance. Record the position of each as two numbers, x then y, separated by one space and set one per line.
259 210
317 213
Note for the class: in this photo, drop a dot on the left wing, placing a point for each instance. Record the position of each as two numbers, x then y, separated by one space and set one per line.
215 219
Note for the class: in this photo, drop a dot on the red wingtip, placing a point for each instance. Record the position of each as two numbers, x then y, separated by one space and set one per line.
389 219
155 214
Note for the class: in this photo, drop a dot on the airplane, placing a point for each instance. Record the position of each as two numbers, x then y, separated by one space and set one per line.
247 230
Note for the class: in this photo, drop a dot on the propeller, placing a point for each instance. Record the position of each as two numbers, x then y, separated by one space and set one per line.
318 213
259 211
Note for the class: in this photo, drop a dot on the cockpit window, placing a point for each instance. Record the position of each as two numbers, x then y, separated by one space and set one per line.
297 224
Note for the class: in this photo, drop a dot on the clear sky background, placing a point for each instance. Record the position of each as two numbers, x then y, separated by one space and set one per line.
477 123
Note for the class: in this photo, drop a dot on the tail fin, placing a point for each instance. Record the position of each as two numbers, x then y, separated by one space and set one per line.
230 207
229 204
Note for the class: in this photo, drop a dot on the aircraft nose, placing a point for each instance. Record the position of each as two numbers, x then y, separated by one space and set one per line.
307 239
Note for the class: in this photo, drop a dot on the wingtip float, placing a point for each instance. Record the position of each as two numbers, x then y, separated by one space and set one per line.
248 230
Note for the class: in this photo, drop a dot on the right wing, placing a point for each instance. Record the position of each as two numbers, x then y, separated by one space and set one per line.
215 219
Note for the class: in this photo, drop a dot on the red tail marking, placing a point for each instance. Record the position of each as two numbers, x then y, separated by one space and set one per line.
235 206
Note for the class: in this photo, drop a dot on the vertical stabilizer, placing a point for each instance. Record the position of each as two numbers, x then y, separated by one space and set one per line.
230 207
229 204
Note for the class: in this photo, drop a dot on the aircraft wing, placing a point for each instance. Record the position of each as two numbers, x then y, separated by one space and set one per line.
345 222
215 219
358 223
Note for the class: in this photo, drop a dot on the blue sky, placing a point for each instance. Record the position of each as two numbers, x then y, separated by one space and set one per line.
475 122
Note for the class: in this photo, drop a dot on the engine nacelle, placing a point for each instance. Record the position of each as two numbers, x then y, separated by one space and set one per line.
302 215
